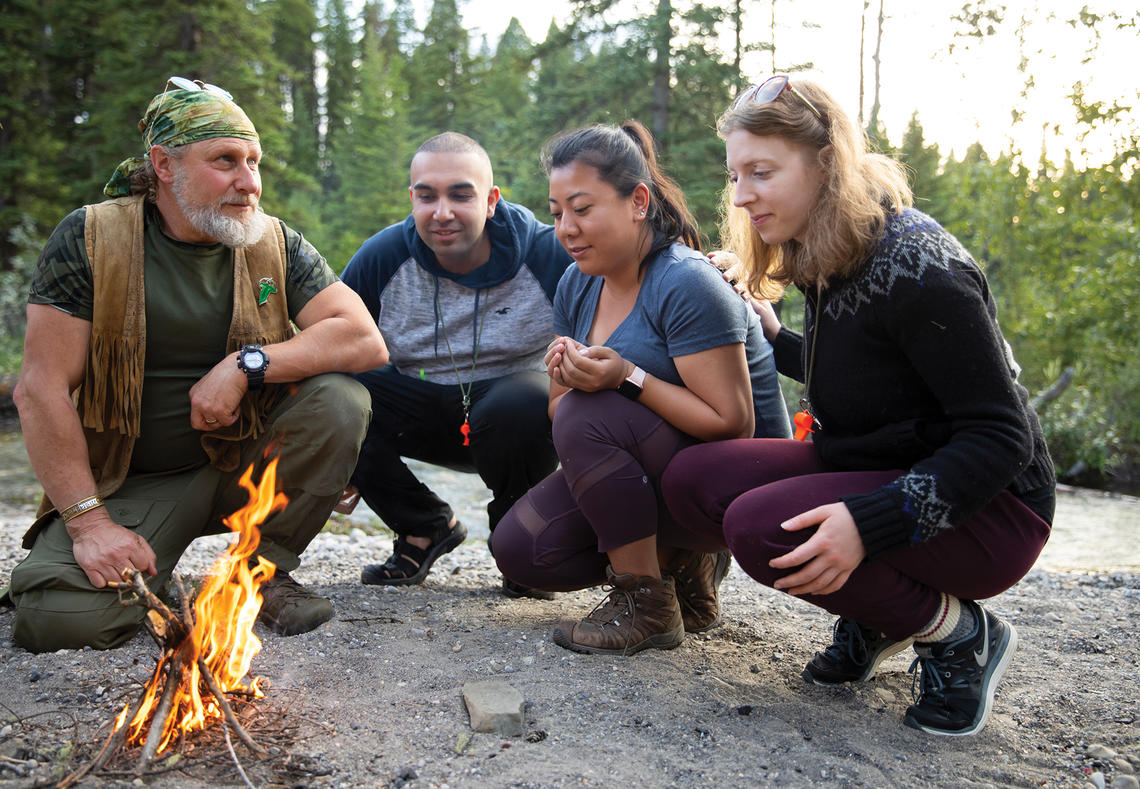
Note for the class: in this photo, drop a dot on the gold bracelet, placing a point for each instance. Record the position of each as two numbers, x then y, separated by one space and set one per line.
80 507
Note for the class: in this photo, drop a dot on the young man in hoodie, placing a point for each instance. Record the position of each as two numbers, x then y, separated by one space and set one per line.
462 292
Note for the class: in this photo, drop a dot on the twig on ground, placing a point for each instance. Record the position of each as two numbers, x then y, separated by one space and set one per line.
114 742
233 756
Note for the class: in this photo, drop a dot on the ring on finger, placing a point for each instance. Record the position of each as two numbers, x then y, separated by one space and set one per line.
210 421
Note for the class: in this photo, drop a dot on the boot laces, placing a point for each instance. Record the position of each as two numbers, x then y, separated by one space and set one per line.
617 603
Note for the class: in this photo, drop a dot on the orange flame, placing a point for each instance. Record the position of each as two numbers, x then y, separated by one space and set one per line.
224 613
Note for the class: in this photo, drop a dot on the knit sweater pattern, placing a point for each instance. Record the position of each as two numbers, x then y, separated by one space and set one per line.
911 372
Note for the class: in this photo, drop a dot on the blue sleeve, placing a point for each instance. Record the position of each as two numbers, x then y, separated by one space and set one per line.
546 258
699 310
374 263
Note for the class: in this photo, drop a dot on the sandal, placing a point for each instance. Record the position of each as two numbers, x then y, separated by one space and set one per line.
409 564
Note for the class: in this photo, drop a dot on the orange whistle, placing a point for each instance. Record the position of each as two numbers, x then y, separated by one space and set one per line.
465 429
805 425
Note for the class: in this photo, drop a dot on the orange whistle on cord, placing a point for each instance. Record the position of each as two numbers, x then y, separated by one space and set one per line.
805 425
465 429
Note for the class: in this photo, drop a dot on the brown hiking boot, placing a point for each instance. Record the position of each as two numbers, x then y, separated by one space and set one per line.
698 576
640 612
288 608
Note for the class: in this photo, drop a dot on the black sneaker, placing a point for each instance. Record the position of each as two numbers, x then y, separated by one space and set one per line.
853 656
959 679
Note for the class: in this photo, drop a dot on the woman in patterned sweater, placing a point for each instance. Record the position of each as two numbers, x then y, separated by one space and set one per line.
926 484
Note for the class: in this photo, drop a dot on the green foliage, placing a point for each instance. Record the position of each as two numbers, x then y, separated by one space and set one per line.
15 279
11 353
343 92
1060 251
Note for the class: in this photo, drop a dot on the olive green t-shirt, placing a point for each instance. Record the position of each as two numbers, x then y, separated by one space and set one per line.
189 303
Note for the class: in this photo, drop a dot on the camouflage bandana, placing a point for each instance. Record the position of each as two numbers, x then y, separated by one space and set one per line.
181 117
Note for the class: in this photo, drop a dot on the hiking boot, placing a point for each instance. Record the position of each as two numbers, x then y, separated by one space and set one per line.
639 612
516 590
697 577
959 678
854 654
287 608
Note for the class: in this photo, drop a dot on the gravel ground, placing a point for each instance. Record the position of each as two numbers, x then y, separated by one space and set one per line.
373 698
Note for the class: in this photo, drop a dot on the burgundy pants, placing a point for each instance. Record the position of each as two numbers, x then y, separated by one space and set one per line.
739 492
605 495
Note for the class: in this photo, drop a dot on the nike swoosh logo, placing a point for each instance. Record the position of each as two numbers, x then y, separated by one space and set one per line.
983 657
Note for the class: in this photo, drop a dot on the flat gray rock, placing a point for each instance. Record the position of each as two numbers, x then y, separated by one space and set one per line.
494 706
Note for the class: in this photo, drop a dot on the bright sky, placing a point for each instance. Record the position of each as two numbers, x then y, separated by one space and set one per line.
960 99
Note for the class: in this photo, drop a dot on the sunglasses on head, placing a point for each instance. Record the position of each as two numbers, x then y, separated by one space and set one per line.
187 84
771 89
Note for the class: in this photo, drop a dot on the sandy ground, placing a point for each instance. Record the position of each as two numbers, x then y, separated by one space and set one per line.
374 698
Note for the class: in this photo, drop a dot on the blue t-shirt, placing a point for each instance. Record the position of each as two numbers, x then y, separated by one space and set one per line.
684 306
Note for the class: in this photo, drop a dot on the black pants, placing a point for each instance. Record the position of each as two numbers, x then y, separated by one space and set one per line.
510 445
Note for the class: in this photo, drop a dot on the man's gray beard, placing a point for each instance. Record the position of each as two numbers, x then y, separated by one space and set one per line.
210 221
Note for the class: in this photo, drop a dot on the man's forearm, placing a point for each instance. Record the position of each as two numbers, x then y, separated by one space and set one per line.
332 345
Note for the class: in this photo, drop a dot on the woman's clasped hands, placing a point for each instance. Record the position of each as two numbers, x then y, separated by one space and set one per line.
586 368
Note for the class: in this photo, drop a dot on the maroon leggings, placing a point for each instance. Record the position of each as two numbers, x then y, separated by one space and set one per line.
605 495
739 492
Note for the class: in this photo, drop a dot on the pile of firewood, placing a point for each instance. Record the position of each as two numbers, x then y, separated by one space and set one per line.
175 670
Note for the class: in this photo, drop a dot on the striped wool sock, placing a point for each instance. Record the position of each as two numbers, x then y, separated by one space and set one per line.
951 622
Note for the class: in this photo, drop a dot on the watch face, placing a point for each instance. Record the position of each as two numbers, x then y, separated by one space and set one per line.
252 360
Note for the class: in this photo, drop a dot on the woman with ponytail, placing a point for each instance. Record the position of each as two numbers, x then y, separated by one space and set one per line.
655 352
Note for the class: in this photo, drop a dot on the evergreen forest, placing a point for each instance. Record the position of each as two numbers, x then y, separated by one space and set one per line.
343 91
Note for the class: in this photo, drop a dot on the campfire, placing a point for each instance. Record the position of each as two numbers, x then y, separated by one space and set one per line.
207 651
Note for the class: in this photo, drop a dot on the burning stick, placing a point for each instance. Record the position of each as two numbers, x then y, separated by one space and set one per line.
162 711
231 719
211 646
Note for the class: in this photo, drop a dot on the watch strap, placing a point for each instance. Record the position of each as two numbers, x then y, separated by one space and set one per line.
633 385
255 379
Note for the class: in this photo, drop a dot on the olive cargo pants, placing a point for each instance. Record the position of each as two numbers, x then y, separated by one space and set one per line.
316 429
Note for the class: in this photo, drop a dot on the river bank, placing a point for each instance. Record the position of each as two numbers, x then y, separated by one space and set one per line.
374 697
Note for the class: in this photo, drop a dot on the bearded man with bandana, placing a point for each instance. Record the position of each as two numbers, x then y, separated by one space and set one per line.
161 361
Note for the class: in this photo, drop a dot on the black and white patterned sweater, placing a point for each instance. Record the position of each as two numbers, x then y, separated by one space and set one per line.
911 372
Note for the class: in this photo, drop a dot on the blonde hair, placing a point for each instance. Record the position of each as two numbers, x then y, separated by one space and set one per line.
860 189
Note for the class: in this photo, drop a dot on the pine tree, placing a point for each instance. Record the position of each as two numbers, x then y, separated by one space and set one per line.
438 79
506 130
294 27
373 151
340 52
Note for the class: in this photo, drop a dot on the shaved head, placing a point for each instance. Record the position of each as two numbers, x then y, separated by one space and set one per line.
459 144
